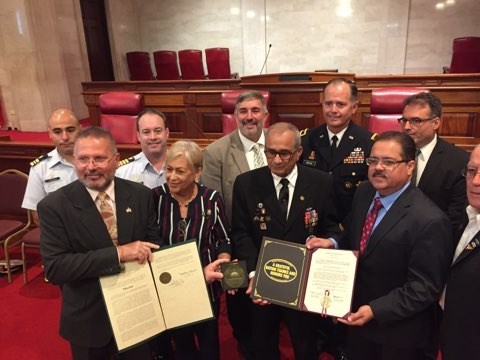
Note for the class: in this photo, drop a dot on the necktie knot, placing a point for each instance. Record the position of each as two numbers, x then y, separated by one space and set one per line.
377 204
284 182
102 196
334 141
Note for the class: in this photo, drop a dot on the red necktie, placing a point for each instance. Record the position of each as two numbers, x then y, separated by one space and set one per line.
368 225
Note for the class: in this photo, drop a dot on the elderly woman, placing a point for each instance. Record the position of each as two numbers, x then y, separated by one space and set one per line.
188 210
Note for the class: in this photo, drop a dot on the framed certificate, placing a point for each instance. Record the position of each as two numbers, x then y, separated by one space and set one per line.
319 280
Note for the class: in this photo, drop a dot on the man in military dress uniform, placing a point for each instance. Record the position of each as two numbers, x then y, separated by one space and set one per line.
147 167
339 146
54 170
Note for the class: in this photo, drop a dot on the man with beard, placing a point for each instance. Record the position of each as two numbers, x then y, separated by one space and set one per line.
54 170
89 228
147 167
405 246
224 160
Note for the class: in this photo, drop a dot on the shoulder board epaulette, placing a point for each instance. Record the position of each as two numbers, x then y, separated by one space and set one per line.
126 161
39 159
374 137
303 132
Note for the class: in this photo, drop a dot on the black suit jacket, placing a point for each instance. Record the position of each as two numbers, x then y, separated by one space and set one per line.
76 250
461 317
442 180
403 268
348 166
254 191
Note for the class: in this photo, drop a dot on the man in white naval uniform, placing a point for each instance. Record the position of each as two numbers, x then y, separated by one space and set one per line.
147 167
54 170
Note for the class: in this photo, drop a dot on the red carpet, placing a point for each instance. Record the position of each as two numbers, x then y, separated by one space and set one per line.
30 315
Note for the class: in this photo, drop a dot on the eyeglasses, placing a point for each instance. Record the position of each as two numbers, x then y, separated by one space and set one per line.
284 154
385 162
470 172
182 227
414 122
96 161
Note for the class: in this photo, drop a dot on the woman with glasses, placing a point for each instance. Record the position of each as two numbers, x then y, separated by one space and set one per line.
188 210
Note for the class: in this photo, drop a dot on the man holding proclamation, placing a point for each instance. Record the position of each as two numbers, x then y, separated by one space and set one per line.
405 246
274 201
89 228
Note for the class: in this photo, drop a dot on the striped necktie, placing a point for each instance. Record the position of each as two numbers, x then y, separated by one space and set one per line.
257 157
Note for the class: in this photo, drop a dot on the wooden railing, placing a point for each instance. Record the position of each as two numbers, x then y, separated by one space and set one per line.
193 107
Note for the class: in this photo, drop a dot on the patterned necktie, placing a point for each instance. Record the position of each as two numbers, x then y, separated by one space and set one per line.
368 225
108 216
415 170
257 157
283 197
333 147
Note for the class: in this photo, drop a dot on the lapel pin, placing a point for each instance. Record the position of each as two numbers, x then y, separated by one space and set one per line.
302 197
128 210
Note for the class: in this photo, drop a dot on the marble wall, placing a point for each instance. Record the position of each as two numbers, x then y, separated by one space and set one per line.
42 60
362 36
43 56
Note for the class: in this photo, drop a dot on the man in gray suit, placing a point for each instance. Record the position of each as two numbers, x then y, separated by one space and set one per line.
224 160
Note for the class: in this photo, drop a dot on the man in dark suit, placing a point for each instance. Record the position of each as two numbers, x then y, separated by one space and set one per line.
258 212
404 248
439 163
460 331
77 246
339 146
224 160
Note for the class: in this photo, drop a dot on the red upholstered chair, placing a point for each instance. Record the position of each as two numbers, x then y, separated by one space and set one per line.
228 100
386 107
465 56
166 65
30 239
14 220
118 112
139 65
191 64
218 63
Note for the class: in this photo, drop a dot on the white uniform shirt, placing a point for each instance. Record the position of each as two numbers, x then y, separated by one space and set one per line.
142 171
46 176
